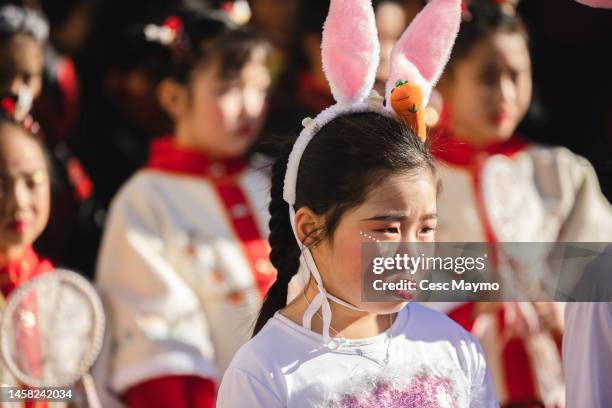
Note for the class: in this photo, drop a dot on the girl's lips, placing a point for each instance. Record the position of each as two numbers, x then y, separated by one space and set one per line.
500 117
245 131
405 294
18 226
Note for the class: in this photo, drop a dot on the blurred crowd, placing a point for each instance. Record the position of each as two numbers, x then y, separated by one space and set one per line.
96 89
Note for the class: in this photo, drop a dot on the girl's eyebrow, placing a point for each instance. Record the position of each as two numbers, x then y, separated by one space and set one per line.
390 216
398 216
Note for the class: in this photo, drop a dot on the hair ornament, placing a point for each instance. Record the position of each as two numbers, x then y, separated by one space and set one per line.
238 11
167 34
171 34
17 109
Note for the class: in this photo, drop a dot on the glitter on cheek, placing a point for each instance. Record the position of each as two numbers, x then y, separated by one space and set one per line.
422 392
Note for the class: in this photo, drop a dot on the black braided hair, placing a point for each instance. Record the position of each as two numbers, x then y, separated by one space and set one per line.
285 253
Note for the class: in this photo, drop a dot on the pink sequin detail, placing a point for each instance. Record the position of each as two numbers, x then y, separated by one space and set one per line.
422 392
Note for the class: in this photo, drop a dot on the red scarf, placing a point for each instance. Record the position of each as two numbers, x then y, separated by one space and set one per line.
13 274
18 271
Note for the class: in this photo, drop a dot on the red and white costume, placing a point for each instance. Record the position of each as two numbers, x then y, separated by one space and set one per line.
183 268
516 191
13 274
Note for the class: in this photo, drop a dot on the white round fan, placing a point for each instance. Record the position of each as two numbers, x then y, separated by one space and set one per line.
52 332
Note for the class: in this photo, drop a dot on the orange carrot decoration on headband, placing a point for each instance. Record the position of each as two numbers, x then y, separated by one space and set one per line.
407 102
418 59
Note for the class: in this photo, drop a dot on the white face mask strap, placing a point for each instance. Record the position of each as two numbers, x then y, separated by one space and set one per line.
343 303
320 301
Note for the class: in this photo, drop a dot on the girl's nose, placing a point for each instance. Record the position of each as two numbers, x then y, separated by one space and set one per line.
18 197
506 91
253 103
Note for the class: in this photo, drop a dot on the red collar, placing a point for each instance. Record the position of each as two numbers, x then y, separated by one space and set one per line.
165 155
455 150
18 271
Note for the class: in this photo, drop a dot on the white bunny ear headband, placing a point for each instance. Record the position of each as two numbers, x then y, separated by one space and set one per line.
350 53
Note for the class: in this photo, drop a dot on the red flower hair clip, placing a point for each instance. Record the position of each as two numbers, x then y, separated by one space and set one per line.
170 34
167 34
238 11
11 108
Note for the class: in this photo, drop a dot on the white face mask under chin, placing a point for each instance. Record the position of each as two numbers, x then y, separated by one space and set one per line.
322 298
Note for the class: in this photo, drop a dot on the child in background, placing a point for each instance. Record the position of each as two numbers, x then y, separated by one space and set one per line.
23 34
70 236
184 262
357 173
498 187
24 206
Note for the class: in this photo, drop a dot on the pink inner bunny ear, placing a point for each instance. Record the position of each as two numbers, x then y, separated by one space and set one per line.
597 3
350 49
423 50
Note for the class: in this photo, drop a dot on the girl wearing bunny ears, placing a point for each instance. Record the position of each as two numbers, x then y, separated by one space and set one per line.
357 172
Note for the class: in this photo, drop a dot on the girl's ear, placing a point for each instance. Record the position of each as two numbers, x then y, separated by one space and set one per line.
172 97
307 226
423 50
350 49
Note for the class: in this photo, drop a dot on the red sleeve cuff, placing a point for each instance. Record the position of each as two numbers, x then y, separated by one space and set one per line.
172 391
